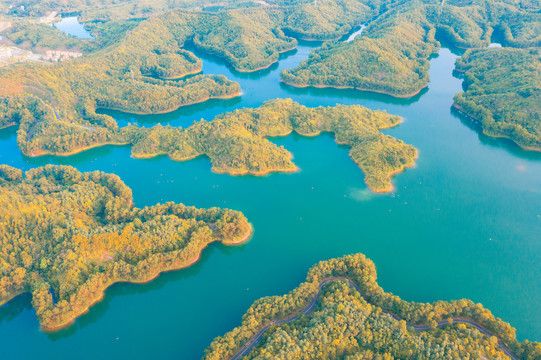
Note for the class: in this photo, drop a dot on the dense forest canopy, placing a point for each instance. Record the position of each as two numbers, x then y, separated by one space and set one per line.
65 236
503 92
235 142
106 10
41 37
353 325
392 54
392 57
132 71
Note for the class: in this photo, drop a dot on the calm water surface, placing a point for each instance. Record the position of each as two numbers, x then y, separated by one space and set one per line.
73 27
465 222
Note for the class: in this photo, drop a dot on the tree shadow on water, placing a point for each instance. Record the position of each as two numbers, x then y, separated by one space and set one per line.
12 309
98 310
502 143
352 94
183 116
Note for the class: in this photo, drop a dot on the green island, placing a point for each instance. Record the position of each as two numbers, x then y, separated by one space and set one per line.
131 66
392 54
503 93
67 236
140 66
341 312
235 142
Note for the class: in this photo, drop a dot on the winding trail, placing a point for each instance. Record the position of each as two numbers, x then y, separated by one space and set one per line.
33 126
311 306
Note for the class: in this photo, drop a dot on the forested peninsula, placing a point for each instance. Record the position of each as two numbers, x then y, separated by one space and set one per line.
131 66
392 54
132 63
66 236
235 142
503 93
341 312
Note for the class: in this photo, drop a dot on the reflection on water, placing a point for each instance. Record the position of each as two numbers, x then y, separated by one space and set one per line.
503 143
71 26
463 223
14 308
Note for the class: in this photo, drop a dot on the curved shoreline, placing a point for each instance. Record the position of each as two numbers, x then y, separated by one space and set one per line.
76 151
7 126
256 338
255 173
178 77
180 264
233 172
304 86
263 67
493 135
393 173
166 111
242 240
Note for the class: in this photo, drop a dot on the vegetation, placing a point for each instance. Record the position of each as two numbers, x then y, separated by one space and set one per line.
41 37
66 236
106 10
235 142
133 71
392 59
350 325
392 54
503 92
124 76
327 19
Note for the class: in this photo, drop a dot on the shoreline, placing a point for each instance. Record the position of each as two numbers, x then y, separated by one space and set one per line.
178 77
310 307
89 147
179 265
303 86
243 239
7 126
493 135
263 67
75 151
161 112
259 173
389 177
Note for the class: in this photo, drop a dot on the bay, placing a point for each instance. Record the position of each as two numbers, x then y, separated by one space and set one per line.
465 222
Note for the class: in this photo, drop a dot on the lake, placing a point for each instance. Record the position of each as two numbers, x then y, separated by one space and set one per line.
72 26
465 222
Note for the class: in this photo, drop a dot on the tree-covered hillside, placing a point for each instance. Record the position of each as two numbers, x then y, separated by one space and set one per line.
503 93
392 54
66 236
358 320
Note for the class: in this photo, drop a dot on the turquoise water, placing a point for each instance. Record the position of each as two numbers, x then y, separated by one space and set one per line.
71 26
465 222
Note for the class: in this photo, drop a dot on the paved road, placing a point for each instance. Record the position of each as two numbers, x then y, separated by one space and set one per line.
311 306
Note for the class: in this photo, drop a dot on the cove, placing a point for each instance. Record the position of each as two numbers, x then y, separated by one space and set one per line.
463 223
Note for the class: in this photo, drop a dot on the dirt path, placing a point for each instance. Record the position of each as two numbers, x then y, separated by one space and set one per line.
311 306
